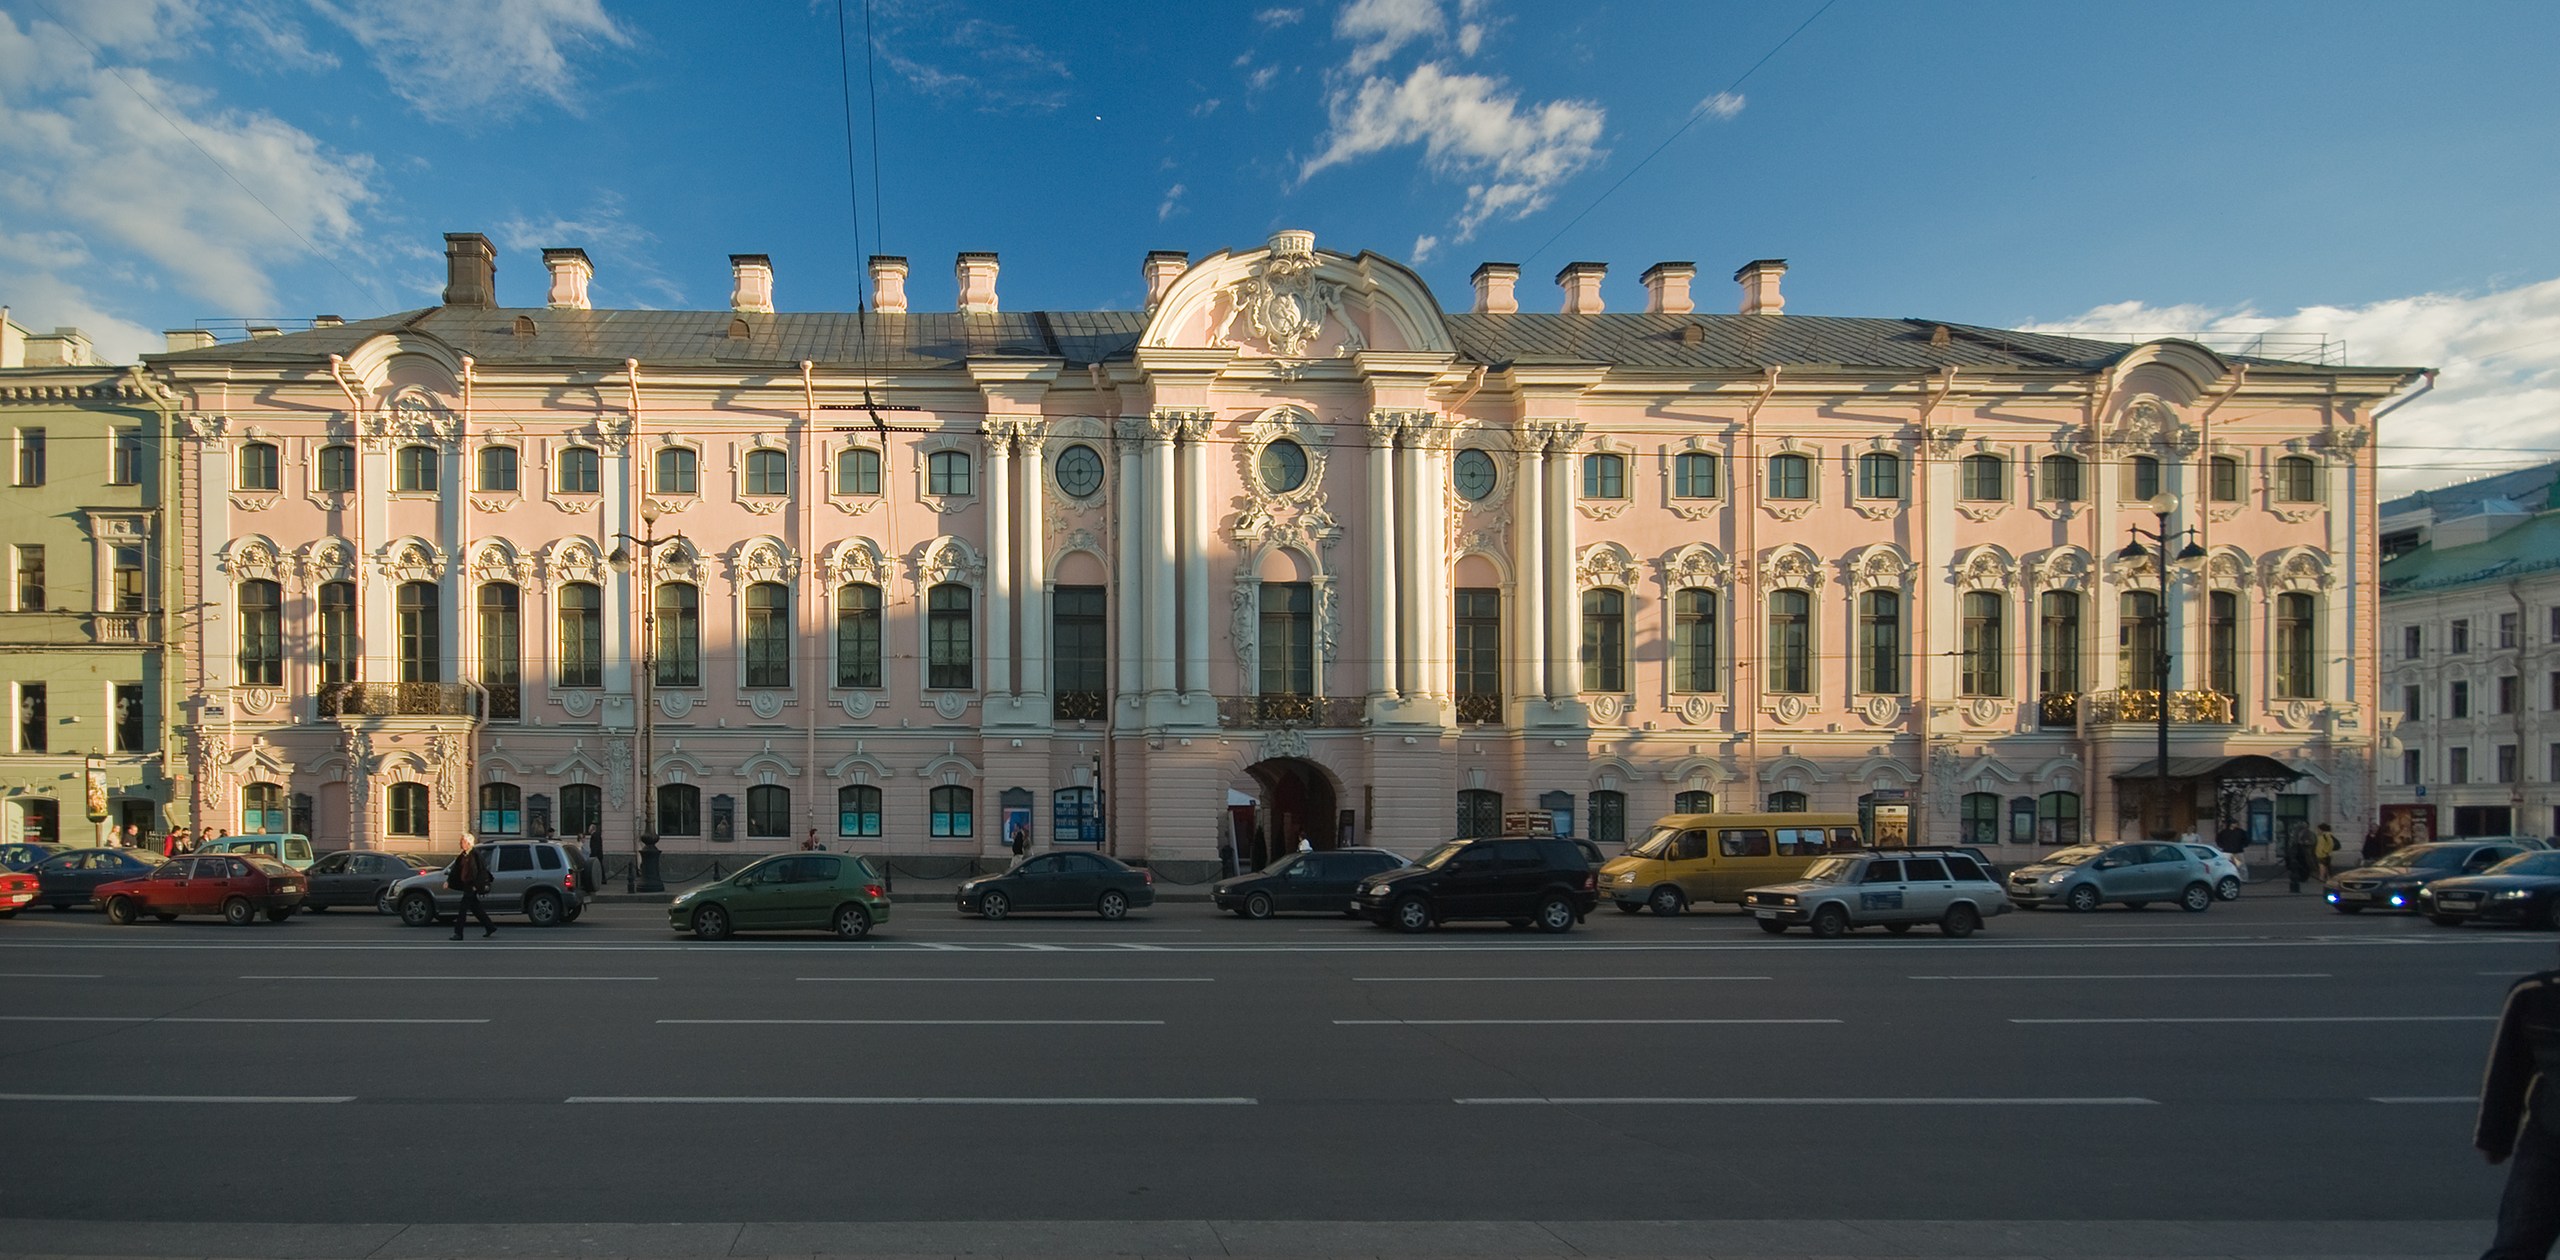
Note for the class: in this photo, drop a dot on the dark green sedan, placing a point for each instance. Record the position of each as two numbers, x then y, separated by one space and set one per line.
793 892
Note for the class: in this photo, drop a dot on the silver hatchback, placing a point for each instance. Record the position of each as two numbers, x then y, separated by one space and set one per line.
544 881
2132 875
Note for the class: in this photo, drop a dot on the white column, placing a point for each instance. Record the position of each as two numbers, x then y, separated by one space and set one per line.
1159 546
1411 646
1564 629
1035 563
1129 583
1194 536
1381 531
1528 512
999 679
1431 492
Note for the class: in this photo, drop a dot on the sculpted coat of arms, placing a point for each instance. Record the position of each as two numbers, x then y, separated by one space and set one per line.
1284 304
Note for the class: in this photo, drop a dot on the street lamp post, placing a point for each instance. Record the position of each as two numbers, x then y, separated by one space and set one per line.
643 874
2153 544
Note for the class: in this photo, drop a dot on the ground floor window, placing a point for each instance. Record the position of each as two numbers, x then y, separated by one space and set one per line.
1479 812
408 809
1981 823
581 810
679 810
1788 803
953 813
262 810
1609 817
2058 818
501 810
1694 803
858 810
2293 815
40 820
768 812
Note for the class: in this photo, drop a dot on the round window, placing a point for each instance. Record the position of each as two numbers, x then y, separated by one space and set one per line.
1079 471
1284 466
1473 473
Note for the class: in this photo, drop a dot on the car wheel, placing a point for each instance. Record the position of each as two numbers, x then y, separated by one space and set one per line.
1830 921
1960 921
852 922
2083 898
418 909
1667 901
1773 927
2445 920
1412 915
995 905
2228 889
1897 928
1258 906
279 914
1114 904
120 910
1628 907
382 901
238 912
2196 899
1555 915
542 909
711 923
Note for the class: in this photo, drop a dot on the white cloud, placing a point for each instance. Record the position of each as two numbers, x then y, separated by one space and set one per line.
2496 404
1276 18
1722 105
1469 126
1261 78
1470 38
1422 248
1377 28
1172 204
622 250
989 64
462 59
1205 108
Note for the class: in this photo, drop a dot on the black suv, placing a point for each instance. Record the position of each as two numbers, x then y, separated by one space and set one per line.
1515 879
1319 881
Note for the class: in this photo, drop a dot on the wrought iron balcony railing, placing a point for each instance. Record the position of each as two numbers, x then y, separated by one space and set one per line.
2058 708
506 702
1266 712
1070 706
2132 704
1479 708
395 700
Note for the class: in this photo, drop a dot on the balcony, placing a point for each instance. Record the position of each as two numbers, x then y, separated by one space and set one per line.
2058 708
1479 708
123 628
506 702
394 700
1076 706
2128 704
1271 712
64 627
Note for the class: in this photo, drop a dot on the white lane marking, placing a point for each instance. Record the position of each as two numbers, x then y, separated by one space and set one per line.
1009 979
940 1023
2276 1019
2159 975
1805 1102
211 1019
1418 1023
1850 949
678 1100
1523 979
175 1098
2464 1100
576 979
47 975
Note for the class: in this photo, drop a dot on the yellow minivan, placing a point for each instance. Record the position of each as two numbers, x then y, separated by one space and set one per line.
1694 858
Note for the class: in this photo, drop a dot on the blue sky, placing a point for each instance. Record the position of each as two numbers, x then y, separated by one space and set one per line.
2380 173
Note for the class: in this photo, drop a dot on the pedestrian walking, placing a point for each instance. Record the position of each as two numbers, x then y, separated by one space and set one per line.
2324 846
2297 860
2376 843
2519 1122
2233 840
811 842
469 875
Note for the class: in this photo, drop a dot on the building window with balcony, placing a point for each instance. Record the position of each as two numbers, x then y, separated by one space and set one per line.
1288 639
2058 649
1477 645
258 466
132 719
409 815
2297 647
2457 766
768 474
2058 479
1879 475
31 457
1985 646
501 651
34 727
2458 640
501 810
1880 642
1080 649
679 810
261 634
1790 477
1479 813
131 585
1981 823
1983 478
497 470
951 637
677 471
578 473
1788 803
262 809
125 466
768 635
2458 700
858 811
857 635
1789 669
679 635
2222 643
2222 479
1693 803
2297 480
1693 475
421 626
417 470
2411 699
2058 818
2142 478
1609 817
1604 640
581 635
857 472
2138 640
768 812
337 632
948 473
2412 765
582 812
1604 476
334 469
951 816
1694 647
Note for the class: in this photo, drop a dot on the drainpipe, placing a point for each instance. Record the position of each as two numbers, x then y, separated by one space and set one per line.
2515 715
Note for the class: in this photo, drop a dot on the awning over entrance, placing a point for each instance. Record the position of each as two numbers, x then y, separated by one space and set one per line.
2249 766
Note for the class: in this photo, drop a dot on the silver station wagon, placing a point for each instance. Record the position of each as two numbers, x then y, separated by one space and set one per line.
1888 888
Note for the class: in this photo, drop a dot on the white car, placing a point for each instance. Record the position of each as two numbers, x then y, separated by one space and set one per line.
2226 873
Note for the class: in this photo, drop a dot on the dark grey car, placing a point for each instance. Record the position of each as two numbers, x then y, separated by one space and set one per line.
2132 875
1088 882
352 878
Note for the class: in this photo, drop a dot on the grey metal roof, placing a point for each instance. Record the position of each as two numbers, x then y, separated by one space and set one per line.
2528 487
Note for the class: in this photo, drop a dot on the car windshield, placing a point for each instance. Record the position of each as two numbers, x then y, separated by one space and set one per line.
269 866
1831 870
1655 845
1279 863
2072 856
1439 857
2420 858
2529 864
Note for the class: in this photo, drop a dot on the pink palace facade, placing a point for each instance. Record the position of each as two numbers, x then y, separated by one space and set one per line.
1291 535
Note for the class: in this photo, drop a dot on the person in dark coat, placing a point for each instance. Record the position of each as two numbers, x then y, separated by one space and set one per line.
2520 1118
469 876
2298 863
2376 843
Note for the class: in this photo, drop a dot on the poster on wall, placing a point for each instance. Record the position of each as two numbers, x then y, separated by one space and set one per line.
1017 828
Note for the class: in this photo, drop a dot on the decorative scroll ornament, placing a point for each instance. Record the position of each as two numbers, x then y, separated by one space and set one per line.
762 560
1285 305
1880 566
1984 569
1696 565
2062 569
1790 567
1604 564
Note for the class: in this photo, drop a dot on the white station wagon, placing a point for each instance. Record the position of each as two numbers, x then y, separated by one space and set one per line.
1890 888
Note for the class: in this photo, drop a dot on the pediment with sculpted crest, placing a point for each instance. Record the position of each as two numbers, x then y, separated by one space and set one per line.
1291 302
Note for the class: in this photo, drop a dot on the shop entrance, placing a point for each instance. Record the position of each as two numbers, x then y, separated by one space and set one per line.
1294 800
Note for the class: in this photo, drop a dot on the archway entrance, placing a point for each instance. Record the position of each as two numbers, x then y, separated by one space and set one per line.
1294 799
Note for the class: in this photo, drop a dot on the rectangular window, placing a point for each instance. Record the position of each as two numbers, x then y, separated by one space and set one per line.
498 469
1081 648
420 626
858 810
2510 693
32 725
30 457
1694 647
2138 637
581 811
1288 639
2412 639
501 658
132 727
337 469
947 472
951 649
1693 475
2058 652
1879 475
417 470
679 617
1604 640
337 632
581 635
125 468
1880 642
2510 628
2225 476
1604 476
1790 477
2411 700
2297 650
2458 639
2458 700
261 634
1983 646
2555 689
132 590
768 635
1478 643
2061 476
768 473
30 578
1984 478
1790 663
2457 766
858 471
858 635
2146 477
1609 817
2410 761
2222 642
578 470
2507 763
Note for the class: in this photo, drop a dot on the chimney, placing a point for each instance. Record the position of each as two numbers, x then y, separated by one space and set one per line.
1581 284
1666 288
1759 281
751 283
977 273
470 270
260 332
188 339
570 272
328 321
1163 267
63 347
889 284
13 341
1495 284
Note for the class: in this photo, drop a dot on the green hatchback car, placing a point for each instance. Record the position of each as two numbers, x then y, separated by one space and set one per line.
790 892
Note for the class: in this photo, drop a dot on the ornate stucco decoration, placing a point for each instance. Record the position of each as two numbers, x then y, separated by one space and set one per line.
255 501
1791 567
253 558
1295 424
856 560
1604 564
612 431
1983 568
446 752
1283 305
678 562
2229 569
947 559
327 560
1939 441
1695 565
1607 708
762 560
204 426
411 560
572 560
1882 710
1877 567
2303 569
411 416
1701 708
2061 569
1697 509
1608 509
2148 422
1071 541
1788 708
1794 509
497 561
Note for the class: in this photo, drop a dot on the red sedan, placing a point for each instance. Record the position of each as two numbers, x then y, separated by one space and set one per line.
17 889
235 886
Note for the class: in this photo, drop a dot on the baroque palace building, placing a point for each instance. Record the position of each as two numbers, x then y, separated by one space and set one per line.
1292 535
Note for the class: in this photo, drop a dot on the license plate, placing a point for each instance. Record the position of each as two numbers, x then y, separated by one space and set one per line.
1768 914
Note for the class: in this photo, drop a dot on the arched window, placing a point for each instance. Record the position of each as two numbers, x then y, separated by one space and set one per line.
857 471
1479 812
1609 817
1694 803
2058 818
501 810
1984 478
952 819
501 656
334 471
2138 639
2058 479
2297 654
1981 823
1788 803
678 471
1879 475
1604 640
578 470
768 473
1880 642
262 809
1604 476
2222 476
1985 646
858 810
768 635
337 632
2297 480
768 812
679 635
2142 477
1790 477
261 634
581 812
498 469
1693 475
947 472
679 809
857 635
407 806
950 640
1789 669
2058 644
1288 643
1693 639
258 466
421 622
416 469
581 635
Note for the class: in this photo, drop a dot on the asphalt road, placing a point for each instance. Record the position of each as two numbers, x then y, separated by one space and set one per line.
2265 1060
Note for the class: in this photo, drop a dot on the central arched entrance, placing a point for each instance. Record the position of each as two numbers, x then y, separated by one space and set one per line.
1293 799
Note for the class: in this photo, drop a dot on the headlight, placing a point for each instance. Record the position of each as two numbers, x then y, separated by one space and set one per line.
1628 878
2054 877
2515 894
1787 899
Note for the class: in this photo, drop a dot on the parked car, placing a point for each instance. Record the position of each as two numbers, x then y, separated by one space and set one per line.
787 893
1893 888
71 877
542 880
1690 859
1061 881
25 857
2395 882
2221 868
2134 875
2524 889
1320 882
356 878
17 891
291 849
1519 880
239 887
